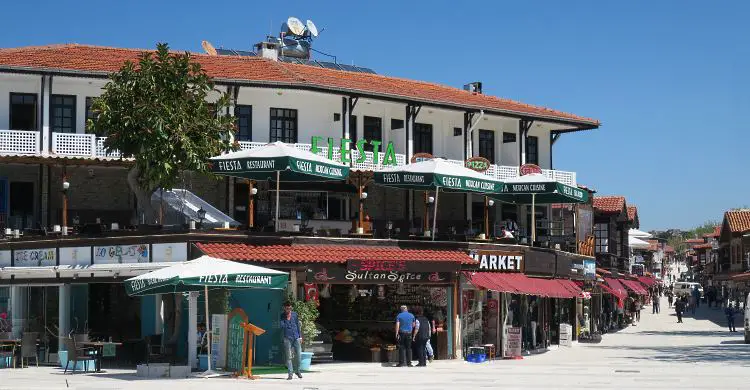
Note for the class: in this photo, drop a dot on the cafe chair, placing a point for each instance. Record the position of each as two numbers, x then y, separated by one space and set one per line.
76 354
28 348
109 351
8 355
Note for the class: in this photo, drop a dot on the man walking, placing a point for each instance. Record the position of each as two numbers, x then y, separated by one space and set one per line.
422 334
291 330
405 323
729 312
679 307
655 304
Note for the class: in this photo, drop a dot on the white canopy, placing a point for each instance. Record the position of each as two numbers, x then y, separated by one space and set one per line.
638 233
275 150
637 243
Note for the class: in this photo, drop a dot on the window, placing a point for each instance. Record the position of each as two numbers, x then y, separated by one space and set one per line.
372 130
243 115
63 113
601 233
487 145
397 124
532 150
283 125
509 137
457 131
422 138
23 111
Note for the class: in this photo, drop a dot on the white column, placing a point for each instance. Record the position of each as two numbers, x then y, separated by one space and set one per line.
192 329
63 314
46 100
159 319
18 299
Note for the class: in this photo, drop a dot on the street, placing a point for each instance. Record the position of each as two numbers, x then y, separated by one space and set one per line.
657 353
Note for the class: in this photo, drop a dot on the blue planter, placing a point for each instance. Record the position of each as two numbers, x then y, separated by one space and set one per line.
80 366
203 363
306 361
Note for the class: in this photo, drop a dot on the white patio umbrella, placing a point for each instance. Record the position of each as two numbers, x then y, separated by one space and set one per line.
637 243
638 233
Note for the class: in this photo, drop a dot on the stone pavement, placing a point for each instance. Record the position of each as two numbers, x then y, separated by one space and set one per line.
658 353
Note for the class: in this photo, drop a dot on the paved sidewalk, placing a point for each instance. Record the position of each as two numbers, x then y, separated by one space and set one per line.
656 354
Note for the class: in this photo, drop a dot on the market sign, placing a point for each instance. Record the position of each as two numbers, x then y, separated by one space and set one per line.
389 154
35 257
341 275
401 266
479 164
528 169
497 261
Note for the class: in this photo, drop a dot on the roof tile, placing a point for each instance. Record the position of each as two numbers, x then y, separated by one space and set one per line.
739 220
609 204
86 58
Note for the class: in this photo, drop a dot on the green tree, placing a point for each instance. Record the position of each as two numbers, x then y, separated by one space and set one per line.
158 112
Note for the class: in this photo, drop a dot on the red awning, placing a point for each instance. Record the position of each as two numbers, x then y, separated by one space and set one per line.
572 286
521 284
634 286
646 280
611 291
614 287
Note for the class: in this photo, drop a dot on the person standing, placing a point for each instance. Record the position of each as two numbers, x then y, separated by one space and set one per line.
422 334
679 307
670 297
405 323
656 303
729 312
291 331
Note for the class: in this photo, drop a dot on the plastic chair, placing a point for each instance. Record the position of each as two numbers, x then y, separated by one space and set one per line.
76 355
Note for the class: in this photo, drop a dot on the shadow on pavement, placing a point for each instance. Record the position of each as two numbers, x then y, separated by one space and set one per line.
696 333
690 354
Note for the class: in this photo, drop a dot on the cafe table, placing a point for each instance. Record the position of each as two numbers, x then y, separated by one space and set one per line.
99 347
14 345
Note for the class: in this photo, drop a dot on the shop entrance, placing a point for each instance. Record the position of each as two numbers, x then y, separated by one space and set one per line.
112 313
43 318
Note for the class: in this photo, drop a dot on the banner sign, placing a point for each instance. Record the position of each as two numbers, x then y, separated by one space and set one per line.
498 261
345 150
219 340
340 275
401 266
121 254
589 269
35 257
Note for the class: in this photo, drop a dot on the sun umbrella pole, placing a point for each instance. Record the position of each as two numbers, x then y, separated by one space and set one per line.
434 212
208 327
276 227
533 219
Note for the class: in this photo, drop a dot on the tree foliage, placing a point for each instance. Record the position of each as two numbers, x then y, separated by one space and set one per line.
159 112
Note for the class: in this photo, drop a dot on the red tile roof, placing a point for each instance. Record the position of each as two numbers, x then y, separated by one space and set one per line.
325 253
694 241
609 204
103 60
702 246
632 213
715 233
653 245
739 220
668 249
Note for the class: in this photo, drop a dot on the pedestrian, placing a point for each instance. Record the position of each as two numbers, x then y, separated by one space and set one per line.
656 304
422 334
729 312
679 307
428 345
405 323
638 305
291 331
202 338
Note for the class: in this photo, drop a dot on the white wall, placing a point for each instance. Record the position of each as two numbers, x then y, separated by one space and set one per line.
16 83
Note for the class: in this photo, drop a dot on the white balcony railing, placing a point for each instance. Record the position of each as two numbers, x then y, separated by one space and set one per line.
14 142
17 142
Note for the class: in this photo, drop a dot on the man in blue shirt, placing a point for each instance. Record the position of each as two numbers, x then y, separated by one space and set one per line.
291 331
405 322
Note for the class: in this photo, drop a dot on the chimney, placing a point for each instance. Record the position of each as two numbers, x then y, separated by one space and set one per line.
475 87
268 50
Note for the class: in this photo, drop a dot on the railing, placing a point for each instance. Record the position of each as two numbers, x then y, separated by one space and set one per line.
81 145
19 142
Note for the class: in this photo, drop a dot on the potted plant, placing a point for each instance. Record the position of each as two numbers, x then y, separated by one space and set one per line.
308 313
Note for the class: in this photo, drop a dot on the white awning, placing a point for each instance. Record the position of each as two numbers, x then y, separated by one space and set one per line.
28 272
637 243
81 271
638 233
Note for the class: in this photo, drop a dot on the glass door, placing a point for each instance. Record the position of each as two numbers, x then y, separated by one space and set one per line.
43 318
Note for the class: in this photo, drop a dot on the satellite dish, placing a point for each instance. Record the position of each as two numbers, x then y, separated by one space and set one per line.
312 28
208 48
295 26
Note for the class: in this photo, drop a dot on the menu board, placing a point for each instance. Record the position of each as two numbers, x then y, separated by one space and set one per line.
513 346
219 339
235 340
566 335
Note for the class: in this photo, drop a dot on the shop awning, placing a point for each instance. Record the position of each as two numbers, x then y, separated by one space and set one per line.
522 284
614 287
634 286
573 287
647 281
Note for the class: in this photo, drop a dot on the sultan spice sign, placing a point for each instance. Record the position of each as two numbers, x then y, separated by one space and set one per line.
341 275
498 261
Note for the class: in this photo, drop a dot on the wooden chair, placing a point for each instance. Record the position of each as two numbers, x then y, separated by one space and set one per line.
29 348
76 355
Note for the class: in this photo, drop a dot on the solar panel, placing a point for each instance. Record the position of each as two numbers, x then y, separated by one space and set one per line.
230 52
294 60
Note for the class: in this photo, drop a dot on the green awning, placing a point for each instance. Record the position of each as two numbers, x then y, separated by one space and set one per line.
521 190
437 173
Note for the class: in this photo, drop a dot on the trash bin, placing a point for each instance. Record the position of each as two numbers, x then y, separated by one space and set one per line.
375 355
392 353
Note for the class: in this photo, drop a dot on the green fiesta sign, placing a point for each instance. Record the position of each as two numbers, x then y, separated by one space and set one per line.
389 157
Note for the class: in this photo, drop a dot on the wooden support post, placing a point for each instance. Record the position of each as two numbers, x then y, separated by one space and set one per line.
250 205
426 218
486 217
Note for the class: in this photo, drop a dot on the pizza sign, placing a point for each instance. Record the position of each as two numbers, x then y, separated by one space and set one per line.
528 169
479 164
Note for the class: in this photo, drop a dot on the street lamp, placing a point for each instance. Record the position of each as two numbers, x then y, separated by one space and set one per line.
252 191
65 187
487 204
201 216
389 227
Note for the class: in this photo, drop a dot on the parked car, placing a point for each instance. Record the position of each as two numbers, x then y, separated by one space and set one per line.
747 319
686 288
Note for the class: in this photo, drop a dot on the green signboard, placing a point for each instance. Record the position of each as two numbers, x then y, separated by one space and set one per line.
389 157
235 340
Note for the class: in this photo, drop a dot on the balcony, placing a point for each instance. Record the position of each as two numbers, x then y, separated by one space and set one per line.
27 143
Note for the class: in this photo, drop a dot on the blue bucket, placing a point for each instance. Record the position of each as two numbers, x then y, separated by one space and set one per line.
476 358
306 361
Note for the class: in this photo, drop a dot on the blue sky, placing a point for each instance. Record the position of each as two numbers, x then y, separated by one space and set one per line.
668 79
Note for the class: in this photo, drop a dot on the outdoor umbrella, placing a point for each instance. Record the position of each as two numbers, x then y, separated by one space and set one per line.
637 243
536 188
284 161
201 274
437 174
638 233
